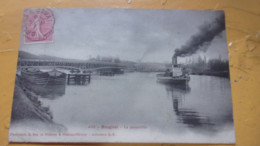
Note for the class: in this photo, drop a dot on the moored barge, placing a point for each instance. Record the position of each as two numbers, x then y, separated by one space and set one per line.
37 77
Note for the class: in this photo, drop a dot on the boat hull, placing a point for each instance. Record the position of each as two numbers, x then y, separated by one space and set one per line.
47 84
181 80
43 78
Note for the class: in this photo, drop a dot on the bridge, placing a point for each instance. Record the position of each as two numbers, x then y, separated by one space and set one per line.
87 66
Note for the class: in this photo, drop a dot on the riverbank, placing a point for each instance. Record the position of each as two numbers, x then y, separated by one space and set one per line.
28 108
224 74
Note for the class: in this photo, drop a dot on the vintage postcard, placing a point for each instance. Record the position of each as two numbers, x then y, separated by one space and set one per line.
122 75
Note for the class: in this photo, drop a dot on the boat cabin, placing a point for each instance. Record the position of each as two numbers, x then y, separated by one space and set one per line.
176 70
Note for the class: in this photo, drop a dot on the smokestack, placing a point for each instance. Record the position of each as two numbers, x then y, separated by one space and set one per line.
202 39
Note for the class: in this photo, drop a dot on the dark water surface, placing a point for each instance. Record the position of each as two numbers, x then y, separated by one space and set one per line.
137 99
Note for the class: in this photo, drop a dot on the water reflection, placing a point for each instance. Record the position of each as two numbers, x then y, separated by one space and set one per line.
118 100
187 116
49 92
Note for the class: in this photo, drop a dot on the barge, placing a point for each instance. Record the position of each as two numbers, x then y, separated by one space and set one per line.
36 77
49 84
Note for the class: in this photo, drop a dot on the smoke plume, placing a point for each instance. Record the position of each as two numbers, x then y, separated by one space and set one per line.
202 39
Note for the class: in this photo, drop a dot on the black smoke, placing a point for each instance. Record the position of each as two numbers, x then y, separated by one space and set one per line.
202 39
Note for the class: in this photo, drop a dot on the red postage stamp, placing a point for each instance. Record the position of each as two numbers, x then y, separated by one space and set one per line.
38 26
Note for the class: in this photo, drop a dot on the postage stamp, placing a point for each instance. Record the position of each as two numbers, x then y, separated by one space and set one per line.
38 25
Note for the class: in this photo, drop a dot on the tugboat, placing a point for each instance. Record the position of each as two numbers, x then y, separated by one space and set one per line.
176 76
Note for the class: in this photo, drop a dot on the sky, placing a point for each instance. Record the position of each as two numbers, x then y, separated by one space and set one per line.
130 34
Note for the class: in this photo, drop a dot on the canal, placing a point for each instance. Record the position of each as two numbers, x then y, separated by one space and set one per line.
205 106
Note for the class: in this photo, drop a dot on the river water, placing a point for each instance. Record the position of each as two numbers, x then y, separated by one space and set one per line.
204 107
